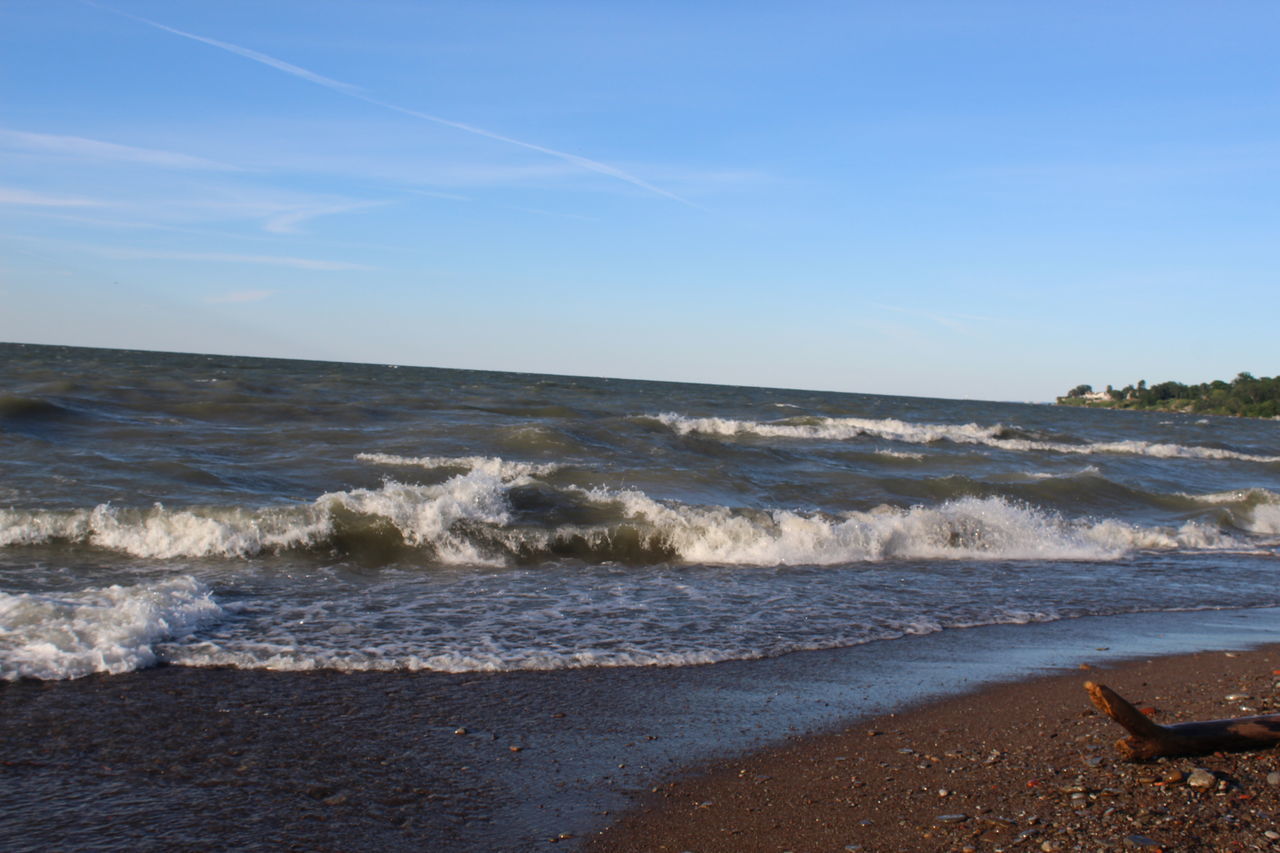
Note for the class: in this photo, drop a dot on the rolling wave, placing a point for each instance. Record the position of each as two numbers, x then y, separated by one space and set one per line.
110 629
498 513
997 436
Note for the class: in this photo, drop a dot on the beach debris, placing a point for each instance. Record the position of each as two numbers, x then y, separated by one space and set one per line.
1148 739
1201 778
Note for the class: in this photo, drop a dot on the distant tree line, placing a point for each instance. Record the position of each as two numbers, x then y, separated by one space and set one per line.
1246 395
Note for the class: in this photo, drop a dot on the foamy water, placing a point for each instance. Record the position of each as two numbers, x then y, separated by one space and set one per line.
282 515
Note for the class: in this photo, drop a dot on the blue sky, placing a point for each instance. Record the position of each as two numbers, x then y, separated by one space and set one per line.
956 199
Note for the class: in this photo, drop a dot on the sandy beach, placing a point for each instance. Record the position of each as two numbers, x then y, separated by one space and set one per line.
181 758
1022 766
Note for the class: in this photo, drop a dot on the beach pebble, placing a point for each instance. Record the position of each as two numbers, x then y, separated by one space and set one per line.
1173 777
1238 697
1140 841
1051 846
460 731
1272 834
1201 778
1273 779
952 818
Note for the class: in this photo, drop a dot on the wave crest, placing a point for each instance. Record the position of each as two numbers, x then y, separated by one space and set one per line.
111 629
997 436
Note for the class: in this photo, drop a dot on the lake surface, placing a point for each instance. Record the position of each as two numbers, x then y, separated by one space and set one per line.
287 515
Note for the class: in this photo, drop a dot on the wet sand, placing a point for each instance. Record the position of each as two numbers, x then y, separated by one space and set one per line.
1025 766
176 758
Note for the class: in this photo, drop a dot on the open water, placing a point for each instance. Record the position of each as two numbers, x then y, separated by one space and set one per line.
268 514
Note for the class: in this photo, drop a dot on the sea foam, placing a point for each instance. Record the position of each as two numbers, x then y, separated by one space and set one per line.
997 436
468 520
108 629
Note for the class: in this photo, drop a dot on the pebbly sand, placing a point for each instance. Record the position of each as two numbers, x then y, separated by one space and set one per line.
1023 766
176 758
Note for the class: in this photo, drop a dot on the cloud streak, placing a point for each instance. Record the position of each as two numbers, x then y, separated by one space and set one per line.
289 223
356 92
93 149
221 257
30 199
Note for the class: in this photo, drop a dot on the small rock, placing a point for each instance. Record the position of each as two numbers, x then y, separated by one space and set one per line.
952 818
514 748
1238 697
1140 841
459 731
1201 778
1273 779
1051 846
1272 834
336 799
1173 777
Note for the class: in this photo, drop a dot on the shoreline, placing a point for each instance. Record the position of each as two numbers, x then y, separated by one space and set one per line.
183 758
1022 765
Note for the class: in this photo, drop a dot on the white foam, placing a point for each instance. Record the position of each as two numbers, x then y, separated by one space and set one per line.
502 468
427 515
841 429
110 629
901 454
967 528
160 533
1255 510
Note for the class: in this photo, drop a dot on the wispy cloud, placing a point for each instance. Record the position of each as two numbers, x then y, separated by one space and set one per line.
556 214
958 322
220 257
94 149
430 194
278 64
239 296
356 92
289 223
26 197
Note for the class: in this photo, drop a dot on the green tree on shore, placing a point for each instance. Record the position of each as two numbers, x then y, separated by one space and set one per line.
1246 396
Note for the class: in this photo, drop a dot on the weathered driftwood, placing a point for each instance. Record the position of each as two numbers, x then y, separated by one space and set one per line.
1148 739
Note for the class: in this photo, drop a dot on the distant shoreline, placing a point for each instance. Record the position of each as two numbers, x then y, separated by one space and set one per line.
1245 396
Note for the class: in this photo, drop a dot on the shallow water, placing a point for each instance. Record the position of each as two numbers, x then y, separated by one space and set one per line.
258 513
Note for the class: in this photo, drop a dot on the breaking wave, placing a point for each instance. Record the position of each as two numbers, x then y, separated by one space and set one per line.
111 629
498 513
498 467
998 436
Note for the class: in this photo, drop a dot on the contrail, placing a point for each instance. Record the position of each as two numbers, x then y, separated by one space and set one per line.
358 93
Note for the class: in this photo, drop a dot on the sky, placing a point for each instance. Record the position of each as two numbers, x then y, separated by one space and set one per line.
989 200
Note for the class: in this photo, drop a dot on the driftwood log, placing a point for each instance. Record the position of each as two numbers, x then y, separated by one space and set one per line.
1148 739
